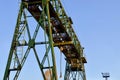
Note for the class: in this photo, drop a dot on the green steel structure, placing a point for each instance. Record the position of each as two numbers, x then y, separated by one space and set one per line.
56 29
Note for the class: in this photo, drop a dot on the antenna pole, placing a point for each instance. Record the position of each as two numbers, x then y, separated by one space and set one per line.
105 75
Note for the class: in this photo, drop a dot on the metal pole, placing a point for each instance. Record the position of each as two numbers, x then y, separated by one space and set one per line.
51 42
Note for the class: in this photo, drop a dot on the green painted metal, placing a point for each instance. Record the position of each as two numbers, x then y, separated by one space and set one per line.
57 26
54 70
6 75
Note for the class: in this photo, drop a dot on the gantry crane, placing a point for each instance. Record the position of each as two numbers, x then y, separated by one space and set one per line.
57 31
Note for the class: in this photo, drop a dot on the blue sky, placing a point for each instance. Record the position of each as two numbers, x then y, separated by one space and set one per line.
97 25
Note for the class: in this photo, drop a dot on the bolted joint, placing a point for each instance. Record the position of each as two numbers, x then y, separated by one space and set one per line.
31 43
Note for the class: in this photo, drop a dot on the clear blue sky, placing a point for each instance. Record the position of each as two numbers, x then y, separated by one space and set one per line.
97 25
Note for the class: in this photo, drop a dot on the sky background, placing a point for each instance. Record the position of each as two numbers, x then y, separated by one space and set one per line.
97 25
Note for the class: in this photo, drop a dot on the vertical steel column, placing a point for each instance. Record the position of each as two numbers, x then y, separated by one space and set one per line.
51 42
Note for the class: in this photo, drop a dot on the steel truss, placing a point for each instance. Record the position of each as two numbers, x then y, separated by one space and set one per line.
58 32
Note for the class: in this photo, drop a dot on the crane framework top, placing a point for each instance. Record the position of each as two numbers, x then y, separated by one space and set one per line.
57 26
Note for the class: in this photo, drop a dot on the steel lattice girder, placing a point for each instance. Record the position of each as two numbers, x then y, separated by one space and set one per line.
50 15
